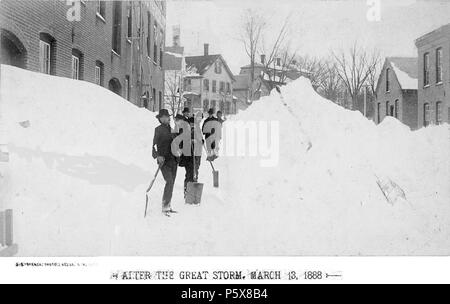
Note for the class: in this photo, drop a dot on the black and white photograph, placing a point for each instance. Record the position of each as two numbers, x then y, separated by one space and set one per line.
224 128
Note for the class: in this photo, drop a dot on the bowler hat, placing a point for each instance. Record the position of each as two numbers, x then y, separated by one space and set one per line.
163 112
179 117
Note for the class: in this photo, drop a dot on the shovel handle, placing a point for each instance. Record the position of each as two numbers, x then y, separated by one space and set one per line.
210 162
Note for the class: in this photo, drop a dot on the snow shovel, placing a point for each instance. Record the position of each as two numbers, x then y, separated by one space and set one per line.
194 191
215 173
150 188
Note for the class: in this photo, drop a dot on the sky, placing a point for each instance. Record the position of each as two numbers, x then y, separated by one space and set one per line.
316 26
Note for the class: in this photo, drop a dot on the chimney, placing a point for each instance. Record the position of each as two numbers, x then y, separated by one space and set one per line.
206 46
263 59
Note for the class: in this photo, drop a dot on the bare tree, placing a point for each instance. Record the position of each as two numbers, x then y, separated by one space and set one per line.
174 90
279 57
354 67
372 80
253 27
330 84
314 68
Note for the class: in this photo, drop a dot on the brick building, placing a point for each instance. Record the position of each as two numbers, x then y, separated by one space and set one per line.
434 77
397 91
208 83
116 44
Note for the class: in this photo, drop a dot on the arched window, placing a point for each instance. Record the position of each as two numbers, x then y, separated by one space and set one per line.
117 26
426 69
388 83
47 54
396 109
439 113
387 108
99 73
426 114
378 112
77 64
13 51
439 65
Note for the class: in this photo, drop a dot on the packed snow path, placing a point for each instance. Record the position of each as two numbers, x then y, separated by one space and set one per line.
81 162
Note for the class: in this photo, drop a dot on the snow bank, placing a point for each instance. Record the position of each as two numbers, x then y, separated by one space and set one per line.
331 200
81 161
53 114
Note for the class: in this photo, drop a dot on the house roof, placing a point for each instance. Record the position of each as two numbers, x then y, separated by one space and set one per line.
202 63
406 70
257 65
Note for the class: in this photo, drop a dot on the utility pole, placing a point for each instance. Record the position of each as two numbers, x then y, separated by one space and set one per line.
365 101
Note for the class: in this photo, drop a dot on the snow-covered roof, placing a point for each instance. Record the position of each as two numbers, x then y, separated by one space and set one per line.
203 63
406 70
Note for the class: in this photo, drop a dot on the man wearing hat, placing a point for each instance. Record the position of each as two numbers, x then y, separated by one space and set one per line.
208 129
166 160
187 115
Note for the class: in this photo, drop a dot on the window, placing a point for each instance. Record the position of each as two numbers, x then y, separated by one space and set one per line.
161 104
149 30
426 114
228 88
387 108
155 45
187 84
77 64
378 112
222 87
396 108
161 48
214 86
117 20
439 65
146 99
227 108
75 67
426 69
45 57
101 5
439 113
205 105
154 100
206 85
388 84
99 73
127 87
130 21
218 67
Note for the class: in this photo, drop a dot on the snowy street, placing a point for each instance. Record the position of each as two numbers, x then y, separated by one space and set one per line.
82 162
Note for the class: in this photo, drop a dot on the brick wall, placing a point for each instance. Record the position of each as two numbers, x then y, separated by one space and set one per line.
434 92
407 99
91 36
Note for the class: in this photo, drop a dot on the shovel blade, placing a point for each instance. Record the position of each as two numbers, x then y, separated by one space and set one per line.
216 179
194 193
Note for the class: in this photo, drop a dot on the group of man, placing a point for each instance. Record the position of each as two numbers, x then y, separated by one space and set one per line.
187 157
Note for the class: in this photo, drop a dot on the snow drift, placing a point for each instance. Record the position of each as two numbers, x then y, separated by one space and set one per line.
81 161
